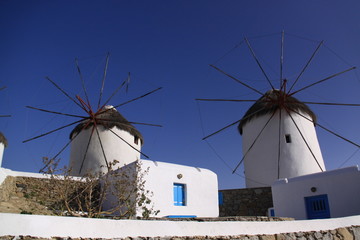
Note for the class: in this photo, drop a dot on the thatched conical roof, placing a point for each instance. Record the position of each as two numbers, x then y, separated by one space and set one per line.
270 102
3 139
109 118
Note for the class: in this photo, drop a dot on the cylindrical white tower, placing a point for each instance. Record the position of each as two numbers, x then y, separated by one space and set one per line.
3 145
114 139
279 140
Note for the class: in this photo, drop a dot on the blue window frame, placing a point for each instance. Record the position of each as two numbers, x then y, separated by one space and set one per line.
317 207
179 194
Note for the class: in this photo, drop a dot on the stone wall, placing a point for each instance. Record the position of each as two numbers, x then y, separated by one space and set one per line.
348 233
246 202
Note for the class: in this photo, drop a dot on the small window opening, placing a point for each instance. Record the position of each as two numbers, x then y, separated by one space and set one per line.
136 140
288 138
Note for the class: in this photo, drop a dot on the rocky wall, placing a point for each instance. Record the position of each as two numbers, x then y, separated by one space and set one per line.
348 233
246 202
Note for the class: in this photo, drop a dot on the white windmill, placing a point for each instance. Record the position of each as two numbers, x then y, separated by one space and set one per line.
101 136
278 131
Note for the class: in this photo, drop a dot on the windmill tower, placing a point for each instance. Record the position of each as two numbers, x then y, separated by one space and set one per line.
120 141
278 130
279 140
3 145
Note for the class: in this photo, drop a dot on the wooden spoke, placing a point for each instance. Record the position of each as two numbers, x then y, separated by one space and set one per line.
253 143
55 130
86 150
231 124
65 93
335 104
224 100
103 80
101 145
306 65
132 100
59 113
237 80
328 130
281 57
302 136
128 144
82 81
323 80
258 63
116 90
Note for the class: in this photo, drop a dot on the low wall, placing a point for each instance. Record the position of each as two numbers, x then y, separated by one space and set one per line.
73 227
246 202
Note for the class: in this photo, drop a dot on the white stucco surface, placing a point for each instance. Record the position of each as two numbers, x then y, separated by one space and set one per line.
115 148
201 188
50 226
4 172
342 187
2 147
262 164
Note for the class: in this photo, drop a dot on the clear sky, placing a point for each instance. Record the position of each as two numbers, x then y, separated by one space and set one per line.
170 44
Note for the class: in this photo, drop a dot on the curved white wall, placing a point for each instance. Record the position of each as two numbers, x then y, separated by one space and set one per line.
261 163
2 147
114 147
342 187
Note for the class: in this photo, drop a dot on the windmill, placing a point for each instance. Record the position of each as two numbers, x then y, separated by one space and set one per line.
101 135
278 130
3 140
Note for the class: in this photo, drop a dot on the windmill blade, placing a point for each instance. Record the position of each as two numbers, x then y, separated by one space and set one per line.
82 80
5 115
67 95
335 104
126 123
328 130
303 138
116 90
101 145
323 80
279 143
132 100
129 144
237 80
103 80
231 124
55 130
306 65
66 145
86 150
223 100
2 88
281 57
253 143
59 113
258 63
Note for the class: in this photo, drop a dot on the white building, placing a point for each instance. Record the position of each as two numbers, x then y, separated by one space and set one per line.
3 145
176 190
277 143
332 194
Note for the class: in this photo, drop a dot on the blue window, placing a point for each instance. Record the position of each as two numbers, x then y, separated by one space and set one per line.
221 198
317 207
179 194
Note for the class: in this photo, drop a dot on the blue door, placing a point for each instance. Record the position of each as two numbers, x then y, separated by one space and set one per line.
317 207
179 194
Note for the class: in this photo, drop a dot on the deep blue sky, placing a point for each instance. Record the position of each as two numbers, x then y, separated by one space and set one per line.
170 44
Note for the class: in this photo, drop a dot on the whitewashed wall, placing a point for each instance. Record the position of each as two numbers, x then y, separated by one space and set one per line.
2 147
50 226
342 187
201 189
261 162
114 147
